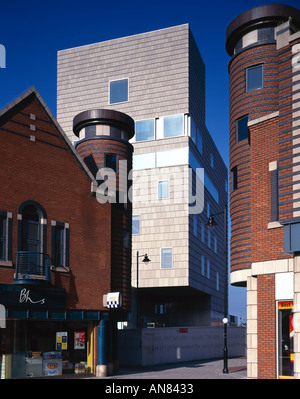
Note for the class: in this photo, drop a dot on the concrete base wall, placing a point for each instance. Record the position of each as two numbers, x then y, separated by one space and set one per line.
146 347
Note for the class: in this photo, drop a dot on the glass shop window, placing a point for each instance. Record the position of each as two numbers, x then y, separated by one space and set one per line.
285 340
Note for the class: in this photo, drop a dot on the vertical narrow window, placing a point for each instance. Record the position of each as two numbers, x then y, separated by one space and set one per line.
60 244
242 128
274 191
126 239
136 224
208 238
207 209
163 189
202 232
195 225
217 281
208 269
166 258
215 244
118 91
255 77
234 178
5 235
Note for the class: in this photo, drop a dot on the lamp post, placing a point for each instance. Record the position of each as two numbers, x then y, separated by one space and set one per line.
146 260
211 224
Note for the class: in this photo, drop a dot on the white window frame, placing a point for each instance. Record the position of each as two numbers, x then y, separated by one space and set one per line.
161 258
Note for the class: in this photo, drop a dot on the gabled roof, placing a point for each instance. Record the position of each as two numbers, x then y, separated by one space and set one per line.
31 94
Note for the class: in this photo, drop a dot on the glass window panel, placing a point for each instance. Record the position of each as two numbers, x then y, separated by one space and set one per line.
286 339
178 156
254 78
166 258
195 225
163 189
144 130
173 126
242 128
136 224
118 90
144 161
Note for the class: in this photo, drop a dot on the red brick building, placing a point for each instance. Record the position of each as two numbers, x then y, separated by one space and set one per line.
264 69
61 250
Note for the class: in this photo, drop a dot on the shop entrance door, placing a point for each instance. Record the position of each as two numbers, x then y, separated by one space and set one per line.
285 340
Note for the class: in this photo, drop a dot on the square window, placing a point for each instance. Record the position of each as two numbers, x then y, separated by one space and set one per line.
255 77
163 189
173 126
166 258
135 224
242 128
118 91
144 130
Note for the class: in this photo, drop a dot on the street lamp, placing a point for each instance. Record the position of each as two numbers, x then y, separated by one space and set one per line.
146 260
211 223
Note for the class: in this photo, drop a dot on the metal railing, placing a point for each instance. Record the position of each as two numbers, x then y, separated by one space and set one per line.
32 266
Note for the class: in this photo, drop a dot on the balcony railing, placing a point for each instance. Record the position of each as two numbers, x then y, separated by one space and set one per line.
32 268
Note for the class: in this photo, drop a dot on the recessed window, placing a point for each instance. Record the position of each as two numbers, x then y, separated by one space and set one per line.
242 128
234 178
136 224
118 91
60 244
195 225
166 258
126 239
144 130
163 189
173 125
255 77
5 236
111 161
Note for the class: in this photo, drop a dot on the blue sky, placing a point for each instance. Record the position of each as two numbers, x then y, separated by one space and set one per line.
33 31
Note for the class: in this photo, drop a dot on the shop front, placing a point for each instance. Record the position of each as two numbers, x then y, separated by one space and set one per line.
43 338
285 339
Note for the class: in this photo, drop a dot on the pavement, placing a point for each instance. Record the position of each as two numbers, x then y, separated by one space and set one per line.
199 369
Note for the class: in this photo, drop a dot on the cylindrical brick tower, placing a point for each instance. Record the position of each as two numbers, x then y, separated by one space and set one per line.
104 146
254 93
